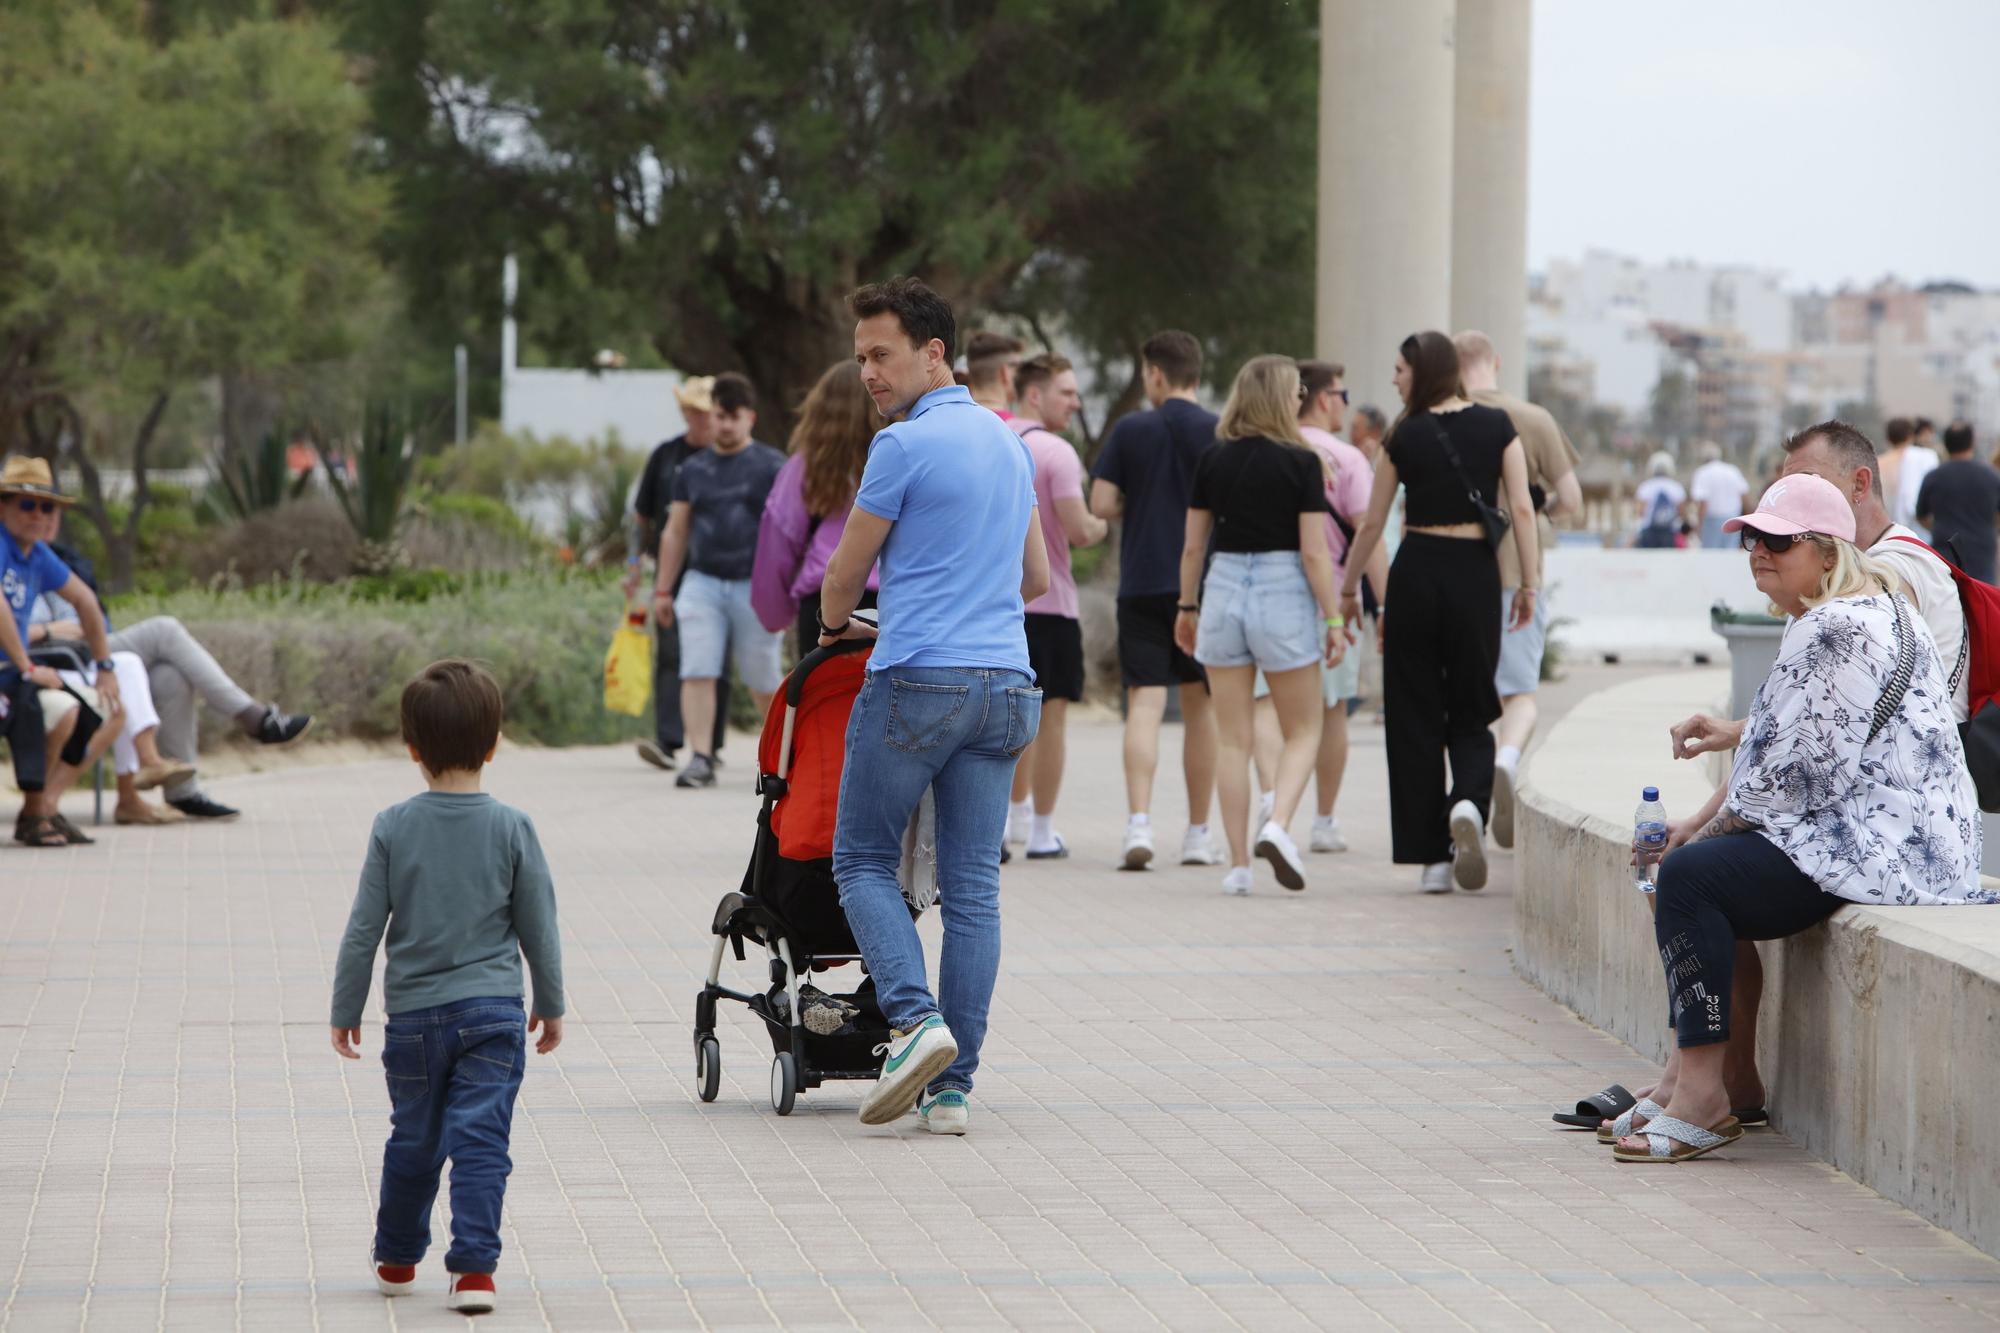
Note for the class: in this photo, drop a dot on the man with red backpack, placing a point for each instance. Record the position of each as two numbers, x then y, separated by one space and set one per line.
1842 455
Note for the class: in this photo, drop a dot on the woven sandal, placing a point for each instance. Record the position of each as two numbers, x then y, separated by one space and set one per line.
1647 1109
1669 1140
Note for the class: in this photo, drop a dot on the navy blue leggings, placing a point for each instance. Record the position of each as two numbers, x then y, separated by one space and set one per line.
1713 893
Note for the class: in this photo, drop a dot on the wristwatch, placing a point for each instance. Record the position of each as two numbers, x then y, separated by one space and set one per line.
105 665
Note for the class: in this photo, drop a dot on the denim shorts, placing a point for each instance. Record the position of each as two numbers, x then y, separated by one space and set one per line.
1521 650
1258 610
717 623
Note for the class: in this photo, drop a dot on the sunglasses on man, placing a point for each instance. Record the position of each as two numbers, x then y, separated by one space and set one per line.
29 504
1341 394
1775 543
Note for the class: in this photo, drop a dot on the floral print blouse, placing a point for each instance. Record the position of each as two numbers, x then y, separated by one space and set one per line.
1890 821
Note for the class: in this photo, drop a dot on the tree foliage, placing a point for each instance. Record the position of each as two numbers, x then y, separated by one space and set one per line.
711 177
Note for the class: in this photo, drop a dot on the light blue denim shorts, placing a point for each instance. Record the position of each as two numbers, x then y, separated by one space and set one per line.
1258 610
717 623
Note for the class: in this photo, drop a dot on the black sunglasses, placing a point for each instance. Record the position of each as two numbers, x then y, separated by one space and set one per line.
29 504
1338 393
1775 543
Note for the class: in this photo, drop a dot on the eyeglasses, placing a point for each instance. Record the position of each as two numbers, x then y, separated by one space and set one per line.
1774 542
1341 394
29 504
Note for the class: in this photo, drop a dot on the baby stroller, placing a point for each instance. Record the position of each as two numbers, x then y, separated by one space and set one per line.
788 903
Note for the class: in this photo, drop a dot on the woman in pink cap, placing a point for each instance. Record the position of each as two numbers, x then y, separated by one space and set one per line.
1849 786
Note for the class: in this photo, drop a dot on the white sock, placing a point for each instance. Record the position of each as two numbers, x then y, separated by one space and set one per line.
1324 821
1198 831
1138 821
1043 832
1509 758
1020 809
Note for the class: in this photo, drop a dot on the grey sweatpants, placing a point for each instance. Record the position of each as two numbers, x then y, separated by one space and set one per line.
183 674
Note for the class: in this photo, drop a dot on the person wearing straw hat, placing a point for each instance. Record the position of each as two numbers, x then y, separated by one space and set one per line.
46 761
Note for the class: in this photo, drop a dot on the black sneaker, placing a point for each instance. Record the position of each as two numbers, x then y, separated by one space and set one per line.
656 756
700 772
200 807
282 728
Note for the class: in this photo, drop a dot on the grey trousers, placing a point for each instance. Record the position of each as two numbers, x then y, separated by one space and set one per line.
183 674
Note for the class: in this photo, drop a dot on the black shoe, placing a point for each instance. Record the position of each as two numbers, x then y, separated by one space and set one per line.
282 728
700 772
656 756
200 807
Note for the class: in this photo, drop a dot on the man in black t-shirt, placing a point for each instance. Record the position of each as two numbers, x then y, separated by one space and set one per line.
649 512
1958 502
1142 478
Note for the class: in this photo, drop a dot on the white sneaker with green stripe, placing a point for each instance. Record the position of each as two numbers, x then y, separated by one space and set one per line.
945 1113
914 1058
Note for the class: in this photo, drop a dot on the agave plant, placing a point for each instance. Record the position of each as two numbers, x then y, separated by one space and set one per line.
374 497
257 480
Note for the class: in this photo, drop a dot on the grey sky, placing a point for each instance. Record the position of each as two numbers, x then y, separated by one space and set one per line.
1833 139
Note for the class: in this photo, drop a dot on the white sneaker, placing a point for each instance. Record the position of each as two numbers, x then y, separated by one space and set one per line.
945 1113
393 1279
1326 835
471 1293
1018 817
1437 878
1138 846
1266 805
1505 780
1468 839
1237 882
912 1060
1276 846
1198 849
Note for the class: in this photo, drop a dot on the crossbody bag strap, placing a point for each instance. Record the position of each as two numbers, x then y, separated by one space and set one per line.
1457 465
1899 679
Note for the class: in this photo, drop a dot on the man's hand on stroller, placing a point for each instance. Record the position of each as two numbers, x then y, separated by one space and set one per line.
855 628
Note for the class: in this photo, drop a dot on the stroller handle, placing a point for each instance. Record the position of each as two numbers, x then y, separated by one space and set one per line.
795 684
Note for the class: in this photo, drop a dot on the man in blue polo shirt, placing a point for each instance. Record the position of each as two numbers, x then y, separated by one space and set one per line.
947 502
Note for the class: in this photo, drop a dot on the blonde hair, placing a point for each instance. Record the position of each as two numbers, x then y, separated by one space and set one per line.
1264 401
1855 573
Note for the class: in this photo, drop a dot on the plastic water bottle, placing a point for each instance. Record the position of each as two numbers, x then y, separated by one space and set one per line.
1649 832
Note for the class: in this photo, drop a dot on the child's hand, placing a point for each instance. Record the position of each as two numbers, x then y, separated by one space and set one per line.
345 1040
551 1033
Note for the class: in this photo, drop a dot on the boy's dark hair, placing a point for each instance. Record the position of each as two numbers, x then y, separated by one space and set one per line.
923 314
1922 424
1899 430
1178 356
734 392
1318 376
451 713
1039 369
1958 438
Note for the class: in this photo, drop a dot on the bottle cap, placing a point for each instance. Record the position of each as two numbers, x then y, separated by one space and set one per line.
1650 794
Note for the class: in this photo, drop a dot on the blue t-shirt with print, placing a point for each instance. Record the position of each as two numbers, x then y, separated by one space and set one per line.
959 486
24 577
725 495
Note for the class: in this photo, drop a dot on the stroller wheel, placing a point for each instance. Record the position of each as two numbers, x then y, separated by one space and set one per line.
707 1068
784 1083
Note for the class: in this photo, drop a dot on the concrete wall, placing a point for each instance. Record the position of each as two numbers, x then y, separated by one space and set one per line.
1646 606
1880 1035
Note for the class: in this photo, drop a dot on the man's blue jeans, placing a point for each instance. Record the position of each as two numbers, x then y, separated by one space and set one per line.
454 1072
957 731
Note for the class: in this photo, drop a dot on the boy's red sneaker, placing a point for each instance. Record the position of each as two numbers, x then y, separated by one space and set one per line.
394 1279
471 1293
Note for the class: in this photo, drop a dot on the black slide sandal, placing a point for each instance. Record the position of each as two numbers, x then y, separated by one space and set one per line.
1613 1102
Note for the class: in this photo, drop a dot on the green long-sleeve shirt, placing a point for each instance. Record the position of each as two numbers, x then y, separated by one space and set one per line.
461 884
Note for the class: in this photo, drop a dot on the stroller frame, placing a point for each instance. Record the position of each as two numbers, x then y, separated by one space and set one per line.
744 916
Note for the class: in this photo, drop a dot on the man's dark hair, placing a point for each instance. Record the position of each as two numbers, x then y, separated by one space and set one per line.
734 392
1846 443
1958 438
1922 424
1898 430
923 314
987 353
1039 369
1176 354
1318 376
451 713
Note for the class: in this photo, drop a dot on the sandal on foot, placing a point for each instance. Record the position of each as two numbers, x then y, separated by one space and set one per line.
77 837
1669 1140
38 831
1593 1111
1644 1109
1751 1117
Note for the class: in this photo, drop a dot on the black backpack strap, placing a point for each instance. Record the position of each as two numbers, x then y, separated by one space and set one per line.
1899 679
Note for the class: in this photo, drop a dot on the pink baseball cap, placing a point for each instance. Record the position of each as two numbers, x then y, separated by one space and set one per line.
1800 503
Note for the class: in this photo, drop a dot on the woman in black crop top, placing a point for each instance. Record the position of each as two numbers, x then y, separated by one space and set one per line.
1441 650
1268 600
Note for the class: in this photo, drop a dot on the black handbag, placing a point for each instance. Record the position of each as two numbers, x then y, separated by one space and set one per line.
1495 521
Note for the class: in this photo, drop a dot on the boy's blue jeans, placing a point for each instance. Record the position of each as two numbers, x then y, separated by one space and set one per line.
957 731
453 1072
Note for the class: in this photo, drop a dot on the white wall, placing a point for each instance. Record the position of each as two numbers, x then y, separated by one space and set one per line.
637 405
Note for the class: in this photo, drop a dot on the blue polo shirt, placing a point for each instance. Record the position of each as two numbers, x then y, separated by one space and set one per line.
959 486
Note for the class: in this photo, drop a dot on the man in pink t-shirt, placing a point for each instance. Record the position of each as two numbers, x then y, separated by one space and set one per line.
1045 400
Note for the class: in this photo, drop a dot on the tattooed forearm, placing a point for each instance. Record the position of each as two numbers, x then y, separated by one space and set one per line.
1725 821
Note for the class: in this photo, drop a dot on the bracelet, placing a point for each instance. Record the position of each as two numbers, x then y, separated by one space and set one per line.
832 631
1190 608
1336 622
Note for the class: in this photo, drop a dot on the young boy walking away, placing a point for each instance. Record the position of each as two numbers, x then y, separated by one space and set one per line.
459 881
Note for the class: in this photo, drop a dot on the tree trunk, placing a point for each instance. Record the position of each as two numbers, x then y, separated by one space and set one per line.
120 542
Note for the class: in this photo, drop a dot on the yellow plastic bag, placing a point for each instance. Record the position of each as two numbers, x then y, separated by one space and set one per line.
628 667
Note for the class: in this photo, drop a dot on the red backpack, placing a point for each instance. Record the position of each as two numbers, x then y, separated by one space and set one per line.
1979 663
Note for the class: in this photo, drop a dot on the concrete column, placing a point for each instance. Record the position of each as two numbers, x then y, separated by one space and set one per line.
1385 165
1489 227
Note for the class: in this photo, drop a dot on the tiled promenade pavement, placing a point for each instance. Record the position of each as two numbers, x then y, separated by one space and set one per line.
1327 1109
